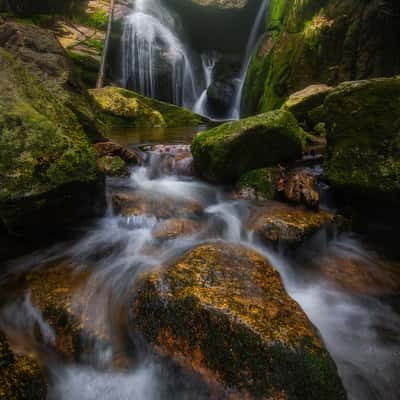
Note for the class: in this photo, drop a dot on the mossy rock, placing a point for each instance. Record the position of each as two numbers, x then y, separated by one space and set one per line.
44 57
326 41
113 166
221 310
123 107
263 182
363 160
21 377
45 156
226 152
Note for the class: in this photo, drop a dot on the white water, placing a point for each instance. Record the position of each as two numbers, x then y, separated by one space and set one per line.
155 61
360 331
208 62
250 47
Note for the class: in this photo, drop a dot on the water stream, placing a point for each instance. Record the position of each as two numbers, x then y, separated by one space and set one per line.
359 325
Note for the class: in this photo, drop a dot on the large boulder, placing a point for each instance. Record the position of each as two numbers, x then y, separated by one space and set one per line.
224 153
363 126
21 377
327 41
45 58
221 310
122 107
46 161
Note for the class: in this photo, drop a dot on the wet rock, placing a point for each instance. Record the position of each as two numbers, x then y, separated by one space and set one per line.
174 159
279 223
176 227
221 310
220 96
363 161
141 203
47 163
58 292
226 152
20 376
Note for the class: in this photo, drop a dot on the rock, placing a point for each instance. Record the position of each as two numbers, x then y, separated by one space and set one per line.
176 227
280 223
363 156
113 166
127 108
297 186
174 159
329 43
261 184
20 376
301 188
224 153
46 59
113 149
221 310
220 96
55 292
29 7
141 203
47 163
228 4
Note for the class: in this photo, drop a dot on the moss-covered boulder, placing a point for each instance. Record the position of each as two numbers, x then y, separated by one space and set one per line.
321 41
45 58
224 153
363 128
278 223
113 166
122 107
21 377
46 161
221 310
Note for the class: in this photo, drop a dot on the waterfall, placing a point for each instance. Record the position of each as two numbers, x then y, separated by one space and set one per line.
155 61
208 62
251 44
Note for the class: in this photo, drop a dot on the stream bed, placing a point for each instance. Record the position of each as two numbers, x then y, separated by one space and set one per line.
345 287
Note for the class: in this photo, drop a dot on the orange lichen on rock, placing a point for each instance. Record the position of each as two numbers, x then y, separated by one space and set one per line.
223 312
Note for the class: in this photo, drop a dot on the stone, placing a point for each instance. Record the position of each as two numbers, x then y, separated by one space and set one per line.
363 142
279 223
113 166
224 153
113 149
221 311
46 161
20 376
301 188
176 227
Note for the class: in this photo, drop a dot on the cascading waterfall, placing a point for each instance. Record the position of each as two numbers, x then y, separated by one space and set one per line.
251 44
155 61
208 62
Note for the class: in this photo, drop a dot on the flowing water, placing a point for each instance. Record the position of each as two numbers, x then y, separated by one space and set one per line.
155 60
358 322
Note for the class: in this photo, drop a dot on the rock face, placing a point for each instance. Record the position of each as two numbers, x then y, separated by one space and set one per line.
363 127
47 163
222 311
321 41
123 107
29 7
45 58
224 153
20 376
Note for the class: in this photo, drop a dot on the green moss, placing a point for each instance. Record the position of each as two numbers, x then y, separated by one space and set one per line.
86 67
97 19
126 108
113 166
363 142
263 181
226 152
